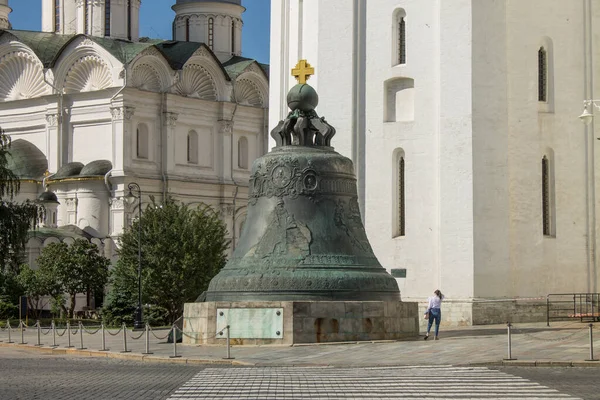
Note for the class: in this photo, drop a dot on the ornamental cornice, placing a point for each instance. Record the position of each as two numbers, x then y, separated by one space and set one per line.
86 43
122 113
52 120
171 119
71 204
227 209
226 127
117 203
151 51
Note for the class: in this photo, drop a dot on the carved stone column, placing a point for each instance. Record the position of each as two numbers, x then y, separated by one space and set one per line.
53 150
169 144
123 136
226 138
117 222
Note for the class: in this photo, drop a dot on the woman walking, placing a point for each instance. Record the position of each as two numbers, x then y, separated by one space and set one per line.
434 313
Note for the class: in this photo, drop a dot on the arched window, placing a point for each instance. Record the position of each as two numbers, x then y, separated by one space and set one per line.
142 142
399 37
243 153
187 29
548 209
107 18
399 228
542 75
56 15
211 32
192 147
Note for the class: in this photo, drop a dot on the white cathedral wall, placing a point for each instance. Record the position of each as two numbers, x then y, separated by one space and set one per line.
90 128
490 152
548 264
436 145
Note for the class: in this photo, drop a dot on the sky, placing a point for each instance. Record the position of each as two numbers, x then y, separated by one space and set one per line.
156 18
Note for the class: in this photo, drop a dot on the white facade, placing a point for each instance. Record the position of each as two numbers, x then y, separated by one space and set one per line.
89 119
216 23
461 107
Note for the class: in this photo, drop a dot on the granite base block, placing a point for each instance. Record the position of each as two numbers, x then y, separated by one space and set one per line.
308 321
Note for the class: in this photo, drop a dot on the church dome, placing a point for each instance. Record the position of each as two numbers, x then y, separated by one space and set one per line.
48 197
68 170
96 168
26 160
236 2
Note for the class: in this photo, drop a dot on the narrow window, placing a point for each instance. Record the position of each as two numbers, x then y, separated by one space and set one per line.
401 41
56 15
107 18
192 147
86 17
129 11
243 153
142 142
53 218
542 75
187 29
211 32
546 199
401 199
233 35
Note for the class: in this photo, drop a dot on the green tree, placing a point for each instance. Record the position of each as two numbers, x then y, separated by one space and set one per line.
183 248
77 268
16 219
35 286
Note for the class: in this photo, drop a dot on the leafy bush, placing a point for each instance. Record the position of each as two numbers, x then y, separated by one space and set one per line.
7 308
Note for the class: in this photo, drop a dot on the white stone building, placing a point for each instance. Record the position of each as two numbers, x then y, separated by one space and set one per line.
91 107
475 175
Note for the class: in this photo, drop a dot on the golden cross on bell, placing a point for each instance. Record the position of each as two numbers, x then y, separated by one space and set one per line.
302 71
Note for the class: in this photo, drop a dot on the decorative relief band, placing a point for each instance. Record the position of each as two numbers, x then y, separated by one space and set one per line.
346 186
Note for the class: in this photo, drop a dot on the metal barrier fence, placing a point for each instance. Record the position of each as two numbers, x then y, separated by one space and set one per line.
564 306
589 328
71 331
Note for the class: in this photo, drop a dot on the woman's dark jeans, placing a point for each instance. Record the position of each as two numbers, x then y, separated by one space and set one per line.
434 314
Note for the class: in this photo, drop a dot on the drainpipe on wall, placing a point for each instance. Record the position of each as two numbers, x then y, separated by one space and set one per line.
590 148
107 181
163 134
237 188
124 74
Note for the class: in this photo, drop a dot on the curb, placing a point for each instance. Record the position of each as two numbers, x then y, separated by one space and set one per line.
125 356
212 361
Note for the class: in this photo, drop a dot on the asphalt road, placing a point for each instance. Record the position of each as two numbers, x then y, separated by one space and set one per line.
25 374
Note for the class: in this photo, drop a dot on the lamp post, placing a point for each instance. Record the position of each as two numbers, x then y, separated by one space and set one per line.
130 199
588 111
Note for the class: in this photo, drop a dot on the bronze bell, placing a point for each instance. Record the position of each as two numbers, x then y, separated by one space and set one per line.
303 238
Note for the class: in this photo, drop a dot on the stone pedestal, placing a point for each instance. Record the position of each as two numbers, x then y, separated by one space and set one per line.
294 322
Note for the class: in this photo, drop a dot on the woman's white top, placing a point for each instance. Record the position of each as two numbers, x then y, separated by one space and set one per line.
434 302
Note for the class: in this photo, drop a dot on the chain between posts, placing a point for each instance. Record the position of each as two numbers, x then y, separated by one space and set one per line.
560 339
160 338
80 329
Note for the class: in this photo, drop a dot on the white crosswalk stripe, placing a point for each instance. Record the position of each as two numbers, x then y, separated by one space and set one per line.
443 382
